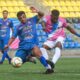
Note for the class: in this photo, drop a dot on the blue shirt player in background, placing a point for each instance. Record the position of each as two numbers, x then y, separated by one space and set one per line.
26 31
5 25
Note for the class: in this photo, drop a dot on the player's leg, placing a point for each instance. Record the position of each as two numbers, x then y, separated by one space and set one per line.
46 46
38 54
6 51
31 58
1 50
58 48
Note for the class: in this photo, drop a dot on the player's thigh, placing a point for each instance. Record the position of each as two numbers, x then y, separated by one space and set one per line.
22 54
49 44
37 52
59 42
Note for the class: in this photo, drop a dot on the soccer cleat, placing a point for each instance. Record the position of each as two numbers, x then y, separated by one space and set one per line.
51 64
31 59
1 62
49 71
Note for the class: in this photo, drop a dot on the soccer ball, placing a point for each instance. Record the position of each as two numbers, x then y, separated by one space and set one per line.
16 62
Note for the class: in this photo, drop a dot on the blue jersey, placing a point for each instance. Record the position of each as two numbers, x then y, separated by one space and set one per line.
5 26
27 35
34 19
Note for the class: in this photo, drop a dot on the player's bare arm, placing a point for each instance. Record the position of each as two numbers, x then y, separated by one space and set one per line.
43 25
69 28
10 42
35 10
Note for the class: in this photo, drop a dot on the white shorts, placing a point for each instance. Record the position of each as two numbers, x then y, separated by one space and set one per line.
51 44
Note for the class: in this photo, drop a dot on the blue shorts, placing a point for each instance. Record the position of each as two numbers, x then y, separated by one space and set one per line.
23 54
3 43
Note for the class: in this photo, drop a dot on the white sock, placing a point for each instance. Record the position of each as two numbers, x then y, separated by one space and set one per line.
57 55
48 67
44 53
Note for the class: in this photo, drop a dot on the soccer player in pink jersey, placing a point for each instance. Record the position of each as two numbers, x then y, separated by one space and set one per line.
54 26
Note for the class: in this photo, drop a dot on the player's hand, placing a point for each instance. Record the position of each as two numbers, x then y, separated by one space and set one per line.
6 47
33 9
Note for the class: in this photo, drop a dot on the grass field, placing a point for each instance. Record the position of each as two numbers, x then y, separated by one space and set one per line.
65 69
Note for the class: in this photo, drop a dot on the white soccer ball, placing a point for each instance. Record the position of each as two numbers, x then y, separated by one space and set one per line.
16 62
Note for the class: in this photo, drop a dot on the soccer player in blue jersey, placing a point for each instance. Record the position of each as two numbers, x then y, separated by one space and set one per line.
5 25
37 21
26 31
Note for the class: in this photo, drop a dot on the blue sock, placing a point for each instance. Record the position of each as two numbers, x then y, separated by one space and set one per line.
7 56
43 61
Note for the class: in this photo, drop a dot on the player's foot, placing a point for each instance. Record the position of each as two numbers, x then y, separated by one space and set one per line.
49 71
1 62
31 59
51 64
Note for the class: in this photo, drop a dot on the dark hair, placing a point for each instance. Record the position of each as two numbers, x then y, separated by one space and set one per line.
20 13
55 12
5 11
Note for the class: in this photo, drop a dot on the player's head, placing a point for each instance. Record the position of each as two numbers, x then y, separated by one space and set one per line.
5 14
54 15
21 16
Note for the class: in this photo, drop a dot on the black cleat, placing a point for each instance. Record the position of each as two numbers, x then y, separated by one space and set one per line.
1 62
49 71
51 64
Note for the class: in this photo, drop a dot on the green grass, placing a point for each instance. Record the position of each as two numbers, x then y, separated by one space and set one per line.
65 69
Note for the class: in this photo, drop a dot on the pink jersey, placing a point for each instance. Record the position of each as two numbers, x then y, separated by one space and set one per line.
60 28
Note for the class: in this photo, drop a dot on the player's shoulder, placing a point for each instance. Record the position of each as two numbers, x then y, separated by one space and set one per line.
62 19
18 25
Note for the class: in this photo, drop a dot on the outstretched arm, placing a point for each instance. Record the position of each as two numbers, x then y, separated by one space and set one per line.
35 10
10 42
69 28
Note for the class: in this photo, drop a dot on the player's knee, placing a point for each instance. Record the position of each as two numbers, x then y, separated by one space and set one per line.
37 52
58 44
